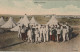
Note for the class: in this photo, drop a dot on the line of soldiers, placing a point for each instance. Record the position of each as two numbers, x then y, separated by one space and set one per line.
45 33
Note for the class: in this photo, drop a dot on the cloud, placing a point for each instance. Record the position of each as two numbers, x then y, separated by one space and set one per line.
29 7
67 10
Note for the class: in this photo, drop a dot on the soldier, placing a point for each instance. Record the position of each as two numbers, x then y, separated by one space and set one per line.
41 32
58 33
47 36
37 35
67 35
50 33
33 32
44 34
29 33
54 34
70 32
24 36
64 33
19 32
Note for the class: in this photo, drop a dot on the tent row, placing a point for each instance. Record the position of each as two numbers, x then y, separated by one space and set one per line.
14 26
24 21
9 24
2 21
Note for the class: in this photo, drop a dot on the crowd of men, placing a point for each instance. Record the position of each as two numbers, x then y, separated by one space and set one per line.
44 33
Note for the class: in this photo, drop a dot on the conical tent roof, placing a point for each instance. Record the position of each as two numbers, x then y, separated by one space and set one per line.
9 24
15 28
2 21
19 21
53 21
25 21
33 21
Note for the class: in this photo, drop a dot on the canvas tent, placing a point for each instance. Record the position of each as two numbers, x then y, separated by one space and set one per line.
53 21
16 28
9 24
33 21
19 21
2 21
24 21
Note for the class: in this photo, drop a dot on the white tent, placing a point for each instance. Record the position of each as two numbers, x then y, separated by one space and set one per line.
15 28
53 21
2 21
24 21
9 24
19 21
33 21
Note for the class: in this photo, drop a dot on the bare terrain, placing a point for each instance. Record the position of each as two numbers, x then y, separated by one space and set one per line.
10 42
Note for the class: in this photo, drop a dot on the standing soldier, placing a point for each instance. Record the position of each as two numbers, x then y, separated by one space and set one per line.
58 33
47 36
64 33
67 35
19 32
70 32
24 36
44 34
41 32
33 32
54 34
50 33
36 35
29 33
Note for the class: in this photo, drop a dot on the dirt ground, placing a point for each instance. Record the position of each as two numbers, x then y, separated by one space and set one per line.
10 42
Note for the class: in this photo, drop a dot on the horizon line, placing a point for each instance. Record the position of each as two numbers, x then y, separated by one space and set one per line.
36 14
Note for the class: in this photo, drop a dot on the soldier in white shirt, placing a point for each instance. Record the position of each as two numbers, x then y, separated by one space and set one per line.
36 35
41 32
50 33
58 33
67 35
29 34
47 36
64 33
44 34
19 32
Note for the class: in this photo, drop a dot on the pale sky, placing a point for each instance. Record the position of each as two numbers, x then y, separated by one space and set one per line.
20 7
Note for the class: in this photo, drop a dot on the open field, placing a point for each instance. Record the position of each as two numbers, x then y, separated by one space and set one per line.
10 42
